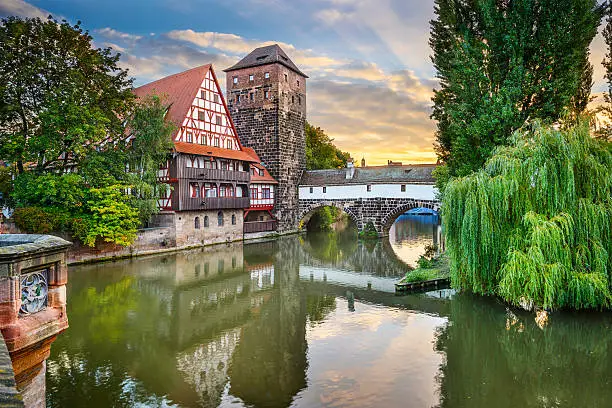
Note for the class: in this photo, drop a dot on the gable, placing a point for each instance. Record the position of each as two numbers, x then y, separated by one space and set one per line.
207 121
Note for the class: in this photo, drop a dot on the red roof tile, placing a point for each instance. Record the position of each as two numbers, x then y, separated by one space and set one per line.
204 150
266 178
179 91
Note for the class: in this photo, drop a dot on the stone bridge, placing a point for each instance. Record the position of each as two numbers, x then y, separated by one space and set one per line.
376 195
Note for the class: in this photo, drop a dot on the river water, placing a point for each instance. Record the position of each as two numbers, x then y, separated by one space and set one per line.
310 321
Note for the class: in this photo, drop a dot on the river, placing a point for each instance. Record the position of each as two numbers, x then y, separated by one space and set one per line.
310 321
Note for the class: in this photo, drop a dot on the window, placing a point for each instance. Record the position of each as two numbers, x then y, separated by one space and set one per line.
218 119
216 98
206 226
202 94
216 141
210 190
224 165
299 100
285 77
235 79
298 82
292 99
222 191
267 75
195 190
325 189
251 77
238 191
233 223
203 139
189 137
311 190
228 144
229 191
261 218
266 94
253 193
252 171
237 98
265 193
196 223
252 96
220 218
201 115
261 172
369 187
403 188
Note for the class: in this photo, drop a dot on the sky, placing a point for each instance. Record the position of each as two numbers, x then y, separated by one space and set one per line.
368 61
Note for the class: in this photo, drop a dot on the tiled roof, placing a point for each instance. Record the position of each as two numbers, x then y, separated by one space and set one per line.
178 89
264 56
256 178
418 173
204 150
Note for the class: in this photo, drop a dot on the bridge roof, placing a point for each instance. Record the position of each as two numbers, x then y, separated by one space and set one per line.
408 174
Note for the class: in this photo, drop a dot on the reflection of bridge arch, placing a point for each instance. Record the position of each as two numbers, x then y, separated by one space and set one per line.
381 212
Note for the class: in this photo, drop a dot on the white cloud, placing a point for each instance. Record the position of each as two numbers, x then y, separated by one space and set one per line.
21 9
108 32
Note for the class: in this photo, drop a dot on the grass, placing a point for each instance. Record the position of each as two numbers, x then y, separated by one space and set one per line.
436 268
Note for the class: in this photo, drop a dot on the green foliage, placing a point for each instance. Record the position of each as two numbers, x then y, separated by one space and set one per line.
321 152
59 96
50 190
368 232
605 132
421 274
501 63
534 226
39 220
6 185
110 218
323 218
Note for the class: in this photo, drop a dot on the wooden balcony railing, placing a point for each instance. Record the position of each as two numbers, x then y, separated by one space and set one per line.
216 203
216 174
259 226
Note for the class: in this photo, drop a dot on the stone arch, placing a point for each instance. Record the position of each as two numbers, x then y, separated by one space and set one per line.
308 211
392 215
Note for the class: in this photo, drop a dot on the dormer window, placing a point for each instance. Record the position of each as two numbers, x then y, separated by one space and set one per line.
235 79
251 77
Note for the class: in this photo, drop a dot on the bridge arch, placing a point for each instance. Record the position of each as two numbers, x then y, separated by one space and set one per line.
390 216
307 211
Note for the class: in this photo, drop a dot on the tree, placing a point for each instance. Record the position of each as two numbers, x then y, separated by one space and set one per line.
60 98
605 132
321 152
534 226
502 63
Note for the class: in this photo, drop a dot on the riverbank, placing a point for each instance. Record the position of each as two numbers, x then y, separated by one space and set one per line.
432 272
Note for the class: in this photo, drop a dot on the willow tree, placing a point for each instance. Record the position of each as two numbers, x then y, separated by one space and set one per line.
501 63
534 225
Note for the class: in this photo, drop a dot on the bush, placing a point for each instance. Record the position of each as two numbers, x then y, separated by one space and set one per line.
36 220
369 232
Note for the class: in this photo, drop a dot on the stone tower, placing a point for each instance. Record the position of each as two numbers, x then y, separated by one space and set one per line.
266 96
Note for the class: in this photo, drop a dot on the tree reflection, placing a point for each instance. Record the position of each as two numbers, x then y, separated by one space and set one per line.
497 357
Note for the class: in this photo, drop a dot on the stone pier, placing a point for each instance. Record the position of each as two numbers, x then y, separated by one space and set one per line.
33 275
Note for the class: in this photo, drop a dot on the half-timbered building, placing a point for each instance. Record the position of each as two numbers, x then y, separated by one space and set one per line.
259 216
207 177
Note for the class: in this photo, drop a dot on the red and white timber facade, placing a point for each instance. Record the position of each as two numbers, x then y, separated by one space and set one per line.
259 217
207 177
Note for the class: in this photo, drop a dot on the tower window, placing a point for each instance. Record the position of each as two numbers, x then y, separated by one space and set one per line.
266 94
299 100
235 80
292 99
237 98
252 96
286 79
251 77
267 75
298 82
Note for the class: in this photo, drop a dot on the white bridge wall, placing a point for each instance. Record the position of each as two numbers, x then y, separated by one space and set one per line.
355 191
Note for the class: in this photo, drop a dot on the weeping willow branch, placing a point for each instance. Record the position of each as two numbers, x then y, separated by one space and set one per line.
534 225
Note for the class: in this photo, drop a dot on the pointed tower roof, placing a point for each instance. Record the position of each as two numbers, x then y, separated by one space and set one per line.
266 55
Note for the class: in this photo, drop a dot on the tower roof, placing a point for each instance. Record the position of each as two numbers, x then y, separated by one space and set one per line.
269 54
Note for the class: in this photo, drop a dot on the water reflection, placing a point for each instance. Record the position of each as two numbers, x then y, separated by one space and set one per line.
410 234
309 321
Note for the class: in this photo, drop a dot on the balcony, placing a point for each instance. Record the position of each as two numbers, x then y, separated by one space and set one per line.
259 226
216 174
216 203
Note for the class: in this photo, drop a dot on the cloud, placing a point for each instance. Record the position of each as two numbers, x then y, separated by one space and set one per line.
21 9
110 33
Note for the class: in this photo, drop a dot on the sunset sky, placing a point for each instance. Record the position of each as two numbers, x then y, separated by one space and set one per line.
371 78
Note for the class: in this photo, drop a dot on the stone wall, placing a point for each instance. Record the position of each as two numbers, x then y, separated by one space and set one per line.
187 234
382 212
274 127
